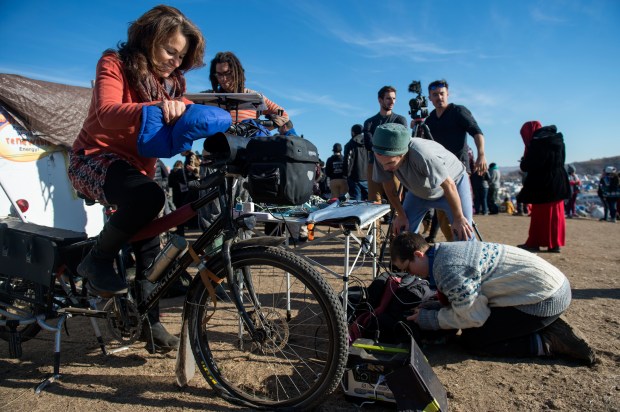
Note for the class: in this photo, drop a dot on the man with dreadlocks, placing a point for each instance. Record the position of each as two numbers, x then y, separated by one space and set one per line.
228 76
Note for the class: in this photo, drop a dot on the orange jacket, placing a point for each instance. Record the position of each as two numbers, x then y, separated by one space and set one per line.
113 120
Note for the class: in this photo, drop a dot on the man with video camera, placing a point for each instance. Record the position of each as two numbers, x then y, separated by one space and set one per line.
449 125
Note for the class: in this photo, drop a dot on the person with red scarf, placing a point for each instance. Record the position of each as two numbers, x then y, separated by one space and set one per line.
545 186
105 164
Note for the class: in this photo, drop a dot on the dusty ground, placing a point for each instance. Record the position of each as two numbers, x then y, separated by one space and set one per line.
134 380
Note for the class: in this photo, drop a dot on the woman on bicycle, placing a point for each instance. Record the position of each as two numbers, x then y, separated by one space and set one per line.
147 69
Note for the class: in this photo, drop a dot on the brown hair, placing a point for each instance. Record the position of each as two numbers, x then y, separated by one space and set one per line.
438 83
236 71
384 90
148 32
405 244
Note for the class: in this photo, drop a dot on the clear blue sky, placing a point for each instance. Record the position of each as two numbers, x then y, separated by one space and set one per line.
324 61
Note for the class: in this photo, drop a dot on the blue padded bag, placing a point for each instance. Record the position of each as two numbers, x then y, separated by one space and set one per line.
260 130
157 139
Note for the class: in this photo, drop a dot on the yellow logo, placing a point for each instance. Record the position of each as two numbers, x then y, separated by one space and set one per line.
18 147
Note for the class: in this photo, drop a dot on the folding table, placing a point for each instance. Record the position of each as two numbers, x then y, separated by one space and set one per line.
349 219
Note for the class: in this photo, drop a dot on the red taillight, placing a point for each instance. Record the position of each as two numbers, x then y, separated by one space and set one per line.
23 205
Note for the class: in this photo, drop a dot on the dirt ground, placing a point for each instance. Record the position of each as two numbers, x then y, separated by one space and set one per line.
134 380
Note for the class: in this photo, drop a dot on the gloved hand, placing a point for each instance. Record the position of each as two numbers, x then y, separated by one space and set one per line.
279 120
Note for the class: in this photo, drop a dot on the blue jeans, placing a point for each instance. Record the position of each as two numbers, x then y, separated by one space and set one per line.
416 207
358 189
480 200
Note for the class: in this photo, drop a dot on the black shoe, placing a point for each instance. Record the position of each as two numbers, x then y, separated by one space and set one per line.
102 278
162 340
528 248
98 267
554 249
560 338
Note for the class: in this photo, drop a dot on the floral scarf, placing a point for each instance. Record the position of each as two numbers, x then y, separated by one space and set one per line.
152 89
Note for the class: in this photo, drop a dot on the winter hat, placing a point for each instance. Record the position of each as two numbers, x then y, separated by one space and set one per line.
610 169
391 139
337 148
356 129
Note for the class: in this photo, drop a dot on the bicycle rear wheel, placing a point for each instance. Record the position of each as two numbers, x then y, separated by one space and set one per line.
22 298
300 350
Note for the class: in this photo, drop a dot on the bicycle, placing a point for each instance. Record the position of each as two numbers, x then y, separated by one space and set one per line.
266 330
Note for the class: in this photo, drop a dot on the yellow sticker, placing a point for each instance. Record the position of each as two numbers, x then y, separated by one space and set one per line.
18 147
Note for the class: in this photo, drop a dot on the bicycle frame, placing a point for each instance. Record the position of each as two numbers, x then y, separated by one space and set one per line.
220 190
275 310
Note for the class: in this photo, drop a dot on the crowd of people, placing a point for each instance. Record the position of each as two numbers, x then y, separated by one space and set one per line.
380 162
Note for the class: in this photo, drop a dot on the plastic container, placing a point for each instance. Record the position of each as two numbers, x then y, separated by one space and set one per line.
310 231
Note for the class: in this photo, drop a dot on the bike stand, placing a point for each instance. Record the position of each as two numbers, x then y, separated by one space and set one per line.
93 322
150 343
57 331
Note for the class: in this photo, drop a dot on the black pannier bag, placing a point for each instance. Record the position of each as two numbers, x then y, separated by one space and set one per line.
281 169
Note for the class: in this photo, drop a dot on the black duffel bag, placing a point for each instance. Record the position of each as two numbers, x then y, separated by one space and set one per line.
281 169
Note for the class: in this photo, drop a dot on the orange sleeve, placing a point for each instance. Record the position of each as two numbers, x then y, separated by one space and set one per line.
110 96
273 108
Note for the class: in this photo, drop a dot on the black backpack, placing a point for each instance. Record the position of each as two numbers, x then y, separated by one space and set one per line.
281 169
381 311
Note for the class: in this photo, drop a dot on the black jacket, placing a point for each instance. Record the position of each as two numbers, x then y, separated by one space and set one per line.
334 167
546 179
356 159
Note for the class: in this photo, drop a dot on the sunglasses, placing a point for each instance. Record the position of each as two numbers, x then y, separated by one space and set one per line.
437 86
222 75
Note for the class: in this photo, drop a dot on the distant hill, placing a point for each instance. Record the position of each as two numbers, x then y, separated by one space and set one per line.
596 165
588 167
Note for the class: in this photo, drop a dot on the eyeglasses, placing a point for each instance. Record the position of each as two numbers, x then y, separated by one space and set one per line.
222 75
437 86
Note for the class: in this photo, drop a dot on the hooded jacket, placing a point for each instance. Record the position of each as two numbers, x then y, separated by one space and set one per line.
356 158
546 178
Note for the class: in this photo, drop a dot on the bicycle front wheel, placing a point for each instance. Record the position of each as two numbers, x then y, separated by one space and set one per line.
299 351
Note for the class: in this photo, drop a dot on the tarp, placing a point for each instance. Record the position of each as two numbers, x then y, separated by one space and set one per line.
350 214
51 111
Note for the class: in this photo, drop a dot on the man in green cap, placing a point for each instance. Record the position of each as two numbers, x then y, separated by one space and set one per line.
434 177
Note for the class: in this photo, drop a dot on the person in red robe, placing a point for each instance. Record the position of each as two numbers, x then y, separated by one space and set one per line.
545 186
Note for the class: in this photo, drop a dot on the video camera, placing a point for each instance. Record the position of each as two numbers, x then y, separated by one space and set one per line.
418 105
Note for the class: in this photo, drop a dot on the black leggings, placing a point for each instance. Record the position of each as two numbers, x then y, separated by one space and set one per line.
138 200
507 332
137 197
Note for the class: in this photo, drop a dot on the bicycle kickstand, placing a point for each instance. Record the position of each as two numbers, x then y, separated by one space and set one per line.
57 332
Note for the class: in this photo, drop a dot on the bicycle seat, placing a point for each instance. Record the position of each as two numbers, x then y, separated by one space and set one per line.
87 200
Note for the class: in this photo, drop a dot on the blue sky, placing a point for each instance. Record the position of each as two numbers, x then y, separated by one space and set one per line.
324 61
